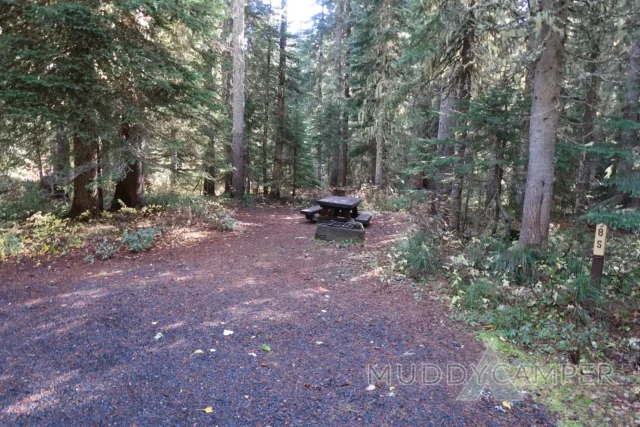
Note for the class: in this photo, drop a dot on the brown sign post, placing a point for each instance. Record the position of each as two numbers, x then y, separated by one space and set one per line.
599 248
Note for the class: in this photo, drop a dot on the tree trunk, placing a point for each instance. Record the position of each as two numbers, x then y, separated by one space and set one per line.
630 135
85 193
265 128
544 123
464 93
588 128
344 149
209 188
279 149
238 143
380 152
130 190
227 73
520 178
61 155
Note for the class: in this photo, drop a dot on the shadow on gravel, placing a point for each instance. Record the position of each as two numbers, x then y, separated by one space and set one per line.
266 327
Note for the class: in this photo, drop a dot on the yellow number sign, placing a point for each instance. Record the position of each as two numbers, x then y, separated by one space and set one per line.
601 240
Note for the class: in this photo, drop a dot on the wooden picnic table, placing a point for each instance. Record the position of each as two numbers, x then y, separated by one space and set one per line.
339 208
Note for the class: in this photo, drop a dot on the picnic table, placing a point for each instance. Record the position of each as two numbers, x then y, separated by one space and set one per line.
339 208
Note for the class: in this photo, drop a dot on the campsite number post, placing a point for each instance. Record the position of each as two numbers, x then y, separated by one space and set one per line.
599 248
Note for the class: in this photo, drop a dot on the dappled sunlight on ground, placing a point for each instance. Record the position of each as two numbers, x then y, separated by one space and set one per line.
140 340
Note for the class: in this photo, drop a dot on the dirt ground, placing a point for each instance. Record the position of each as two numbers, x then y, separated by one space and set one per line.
140 340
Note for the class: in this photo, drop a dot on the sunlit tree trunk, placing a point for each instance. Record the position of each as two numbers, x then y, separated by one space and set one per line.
278 175
227 73
544 123
265 125
344 160
238 144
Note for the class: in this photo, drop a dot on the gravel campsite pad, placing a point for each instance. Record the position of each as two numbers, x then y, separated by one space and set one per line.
259 327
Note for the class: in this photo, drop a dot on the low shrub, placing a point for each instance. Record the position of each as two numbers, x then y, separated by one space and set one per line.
418 255
142 239
10 245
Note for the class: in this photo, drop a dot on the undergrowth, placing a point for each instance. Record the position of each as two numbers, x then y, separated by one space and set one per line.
544 300
49 234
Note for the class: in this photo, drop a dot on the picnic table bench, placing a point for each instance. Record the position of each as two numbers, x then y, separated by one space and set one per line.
337 208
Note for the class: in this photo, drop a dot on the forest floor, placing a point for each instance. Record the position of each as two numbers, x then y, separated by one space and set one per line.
145 339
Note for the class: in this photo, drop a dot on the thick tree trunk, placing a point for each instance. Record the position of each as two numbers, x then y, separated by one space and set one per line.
227 74
265 125
278 175
238 143
544 123
632 103
85 193
588 128
130 190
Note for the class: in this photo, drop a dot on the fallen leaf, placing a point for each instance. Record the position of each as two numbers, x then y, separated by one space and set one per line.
266 347
208 410
506 404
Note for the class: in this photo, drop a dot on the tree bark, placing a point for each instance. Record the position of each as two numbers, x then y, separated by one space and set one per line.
278 176
265 128
588 128
209 188
227 75
380 152
344 149
61 155
464 93
130 190
544 123
520 179
85 193
238 140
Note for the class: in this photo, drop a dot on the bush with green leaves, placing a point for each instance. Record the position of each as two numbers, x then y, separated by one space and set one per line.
142 239
10 245
20 199
546 299
224 222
